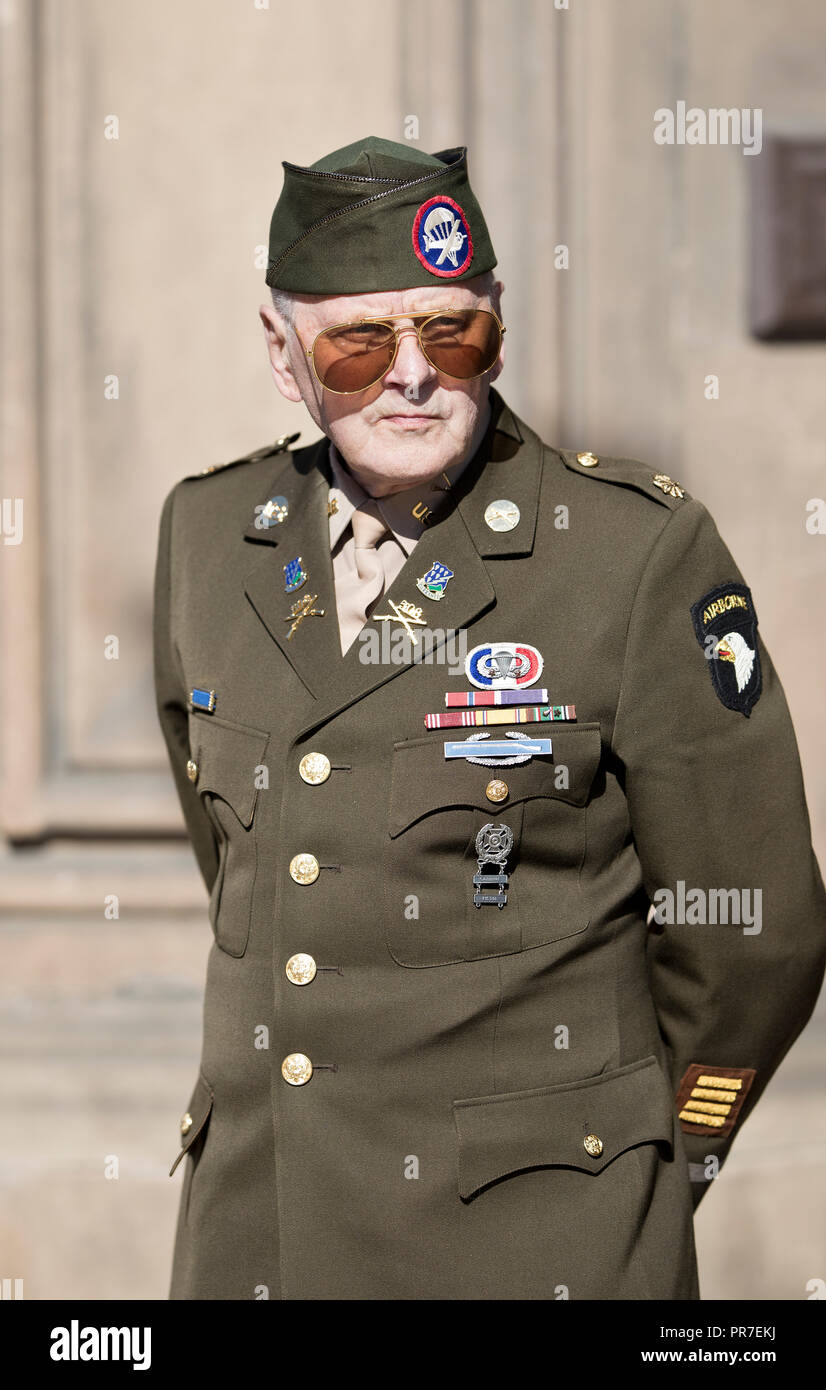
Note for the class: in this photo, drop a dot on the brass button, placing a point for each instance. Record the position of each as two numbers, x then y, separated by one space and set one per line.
192 771
593 1145
314 768
186 1125
304 868
587 460
296 1069
496 790
300 969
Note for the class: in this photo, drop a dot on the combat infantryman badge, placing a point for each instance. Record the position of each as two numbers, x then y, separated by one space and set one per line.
726 627
499 753
434 583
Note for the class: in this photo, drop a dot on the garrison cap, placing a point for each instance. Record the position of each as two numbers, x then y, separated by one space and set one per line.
377 215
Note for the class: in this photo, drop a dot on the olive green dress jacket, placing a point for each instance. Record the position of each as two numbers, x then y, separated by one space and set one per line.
494 1105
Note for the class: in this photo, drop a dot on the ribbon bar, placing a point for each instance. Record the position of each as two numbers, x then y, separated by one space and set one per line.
476 718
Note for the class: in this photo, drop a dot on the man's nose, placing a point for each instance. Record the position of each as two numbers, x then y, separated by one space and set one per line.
411 368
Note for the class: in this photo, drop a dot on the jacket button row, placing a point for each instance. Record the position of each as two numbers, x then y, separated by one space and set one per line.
300 969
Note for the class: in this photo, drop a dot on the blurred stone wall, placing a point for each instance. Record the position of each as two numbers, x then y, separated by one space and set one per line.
141 149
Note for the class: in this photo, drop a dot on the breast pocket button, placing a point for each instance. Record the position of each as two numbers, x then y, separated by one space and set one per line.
497 790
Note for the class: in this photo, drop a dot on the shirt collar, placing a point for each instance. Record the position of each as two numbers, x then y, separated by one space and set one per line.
404 512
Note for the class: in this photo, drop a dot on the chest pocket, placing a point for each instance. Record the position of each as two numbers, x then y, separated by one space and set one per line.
229 758
437 808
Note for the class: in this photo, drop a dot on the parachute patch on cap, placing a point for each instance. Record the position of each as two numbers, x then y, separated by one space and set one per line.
441 237
726 627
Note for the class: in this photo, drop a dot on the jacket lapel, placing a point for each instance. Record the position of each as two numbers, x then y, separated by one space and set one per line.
313 649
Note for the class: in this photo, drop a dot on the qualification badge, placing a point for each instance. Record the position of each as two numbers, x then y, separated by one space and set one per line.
493 845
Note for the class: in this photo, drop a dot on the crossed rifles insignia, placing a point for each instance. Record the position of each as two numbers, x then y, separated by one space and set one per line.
406 613
301 609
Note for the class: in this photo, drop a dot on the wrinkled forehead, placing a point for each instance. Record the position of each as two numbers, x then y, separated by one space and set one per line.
314 312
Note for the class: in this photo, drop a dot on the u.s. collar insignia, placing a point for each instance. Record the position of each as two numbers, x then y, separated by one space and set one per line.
503 665
441 238
434 583
726 627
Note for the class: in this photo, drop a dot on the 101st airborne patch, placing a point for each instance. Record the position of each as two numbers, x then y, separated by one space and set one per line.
726 627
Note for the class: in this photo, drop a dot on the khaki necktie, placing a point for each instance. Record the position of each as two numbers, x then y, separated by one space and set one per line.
364 584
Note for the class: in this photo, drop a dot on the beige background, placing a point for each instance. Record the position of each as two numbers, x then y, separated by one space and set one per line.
142 257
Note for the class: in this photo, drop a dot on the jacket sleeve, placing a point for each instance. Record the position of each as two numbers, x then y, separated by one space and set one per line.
716 802
171 699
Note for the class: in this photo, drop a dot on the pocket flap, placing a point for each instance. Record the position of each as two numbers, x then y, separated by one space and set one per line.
424 780
227 755
194 1117
547 1127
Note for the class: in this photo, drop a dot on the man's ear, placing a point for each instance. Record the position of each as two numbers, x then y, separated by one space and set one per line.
276 333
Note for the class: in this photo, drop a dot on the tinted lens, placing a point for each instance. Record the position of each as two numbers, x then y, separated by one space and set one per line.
462 344
353 357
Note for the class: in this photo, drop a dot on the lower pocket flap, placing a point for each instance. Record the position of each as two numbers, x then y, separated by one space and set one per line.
195 1117
548 1127
228 757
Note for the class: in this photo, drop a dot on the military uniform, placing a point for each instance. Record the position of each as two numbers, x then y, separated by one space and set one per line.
403 1095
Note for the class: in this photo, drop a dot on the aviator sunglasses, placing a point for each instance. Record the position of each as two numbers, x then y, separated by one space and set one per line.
460 343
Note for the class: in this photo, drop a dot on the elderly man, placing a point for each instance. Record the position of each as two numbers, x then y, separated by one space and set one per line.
495 793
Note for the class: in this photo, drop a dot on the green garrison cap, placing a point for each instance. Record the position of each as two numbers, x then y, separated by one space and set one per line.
377 215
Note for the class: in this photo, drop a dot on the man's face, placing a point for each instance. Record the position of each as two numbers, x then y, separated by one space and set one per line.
412 424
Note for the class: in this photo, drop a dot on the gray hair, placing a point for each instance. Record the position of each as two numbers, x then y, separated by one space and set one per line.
282 302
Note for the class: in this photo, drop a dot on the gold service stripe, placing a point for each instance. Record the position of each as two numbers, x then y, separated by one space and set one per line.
706 1108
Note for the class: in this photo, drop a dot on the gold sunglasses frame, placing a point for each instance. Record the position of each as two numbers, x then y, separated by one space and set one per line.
385 318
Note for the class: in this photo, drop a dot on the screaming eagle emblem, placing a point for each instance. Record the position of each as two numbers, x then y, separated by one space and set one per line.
726 627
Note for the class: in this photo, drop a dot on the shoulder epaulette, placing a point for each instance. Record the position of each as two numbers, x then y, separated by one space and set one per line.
279 447
627 473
